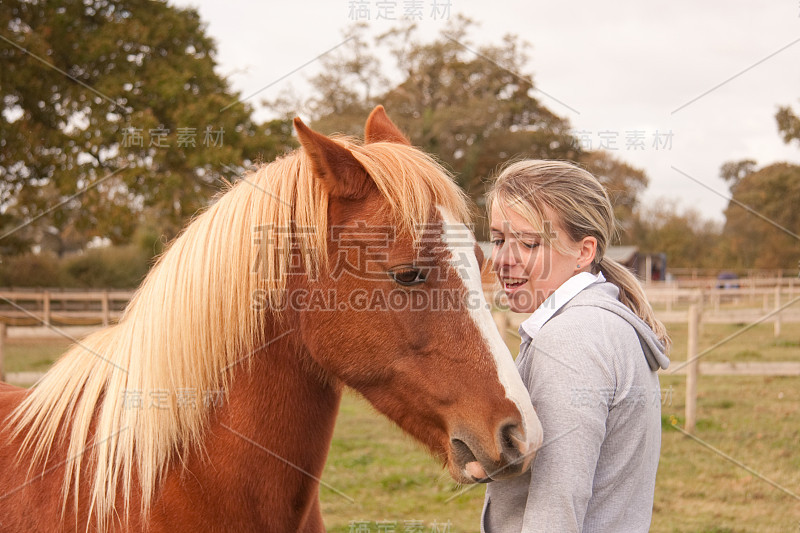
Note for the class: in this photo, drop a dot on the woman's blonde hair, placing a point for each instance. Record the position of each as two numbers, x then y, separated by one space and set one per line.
538 190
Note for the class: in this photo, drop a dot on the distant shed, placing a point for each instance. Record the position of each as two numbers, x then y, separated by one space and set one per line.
647 267
626 255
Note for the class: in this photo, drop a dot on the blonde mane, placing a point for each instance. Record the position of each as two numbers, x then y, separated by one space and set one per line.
193 318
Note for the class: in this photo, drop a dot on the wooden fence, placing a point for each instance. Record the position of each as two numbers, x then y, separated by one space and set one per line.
64 307
728 306
777 305
27 313
757 303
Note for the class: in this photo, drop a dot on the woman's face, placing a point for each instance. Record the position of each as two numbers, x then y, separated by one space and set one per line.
528 268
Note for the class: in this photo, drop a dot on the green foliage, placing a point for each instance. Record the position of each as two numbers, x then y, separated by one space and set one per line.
734 171
762 218
112 267
474 111
685 236
474 106
788 124
121 267
762 222
623 182
114 98
149 240
31 270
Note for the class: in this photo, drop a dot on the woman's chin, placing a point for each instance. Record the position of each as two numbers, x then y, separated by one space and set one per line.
521 310
520 301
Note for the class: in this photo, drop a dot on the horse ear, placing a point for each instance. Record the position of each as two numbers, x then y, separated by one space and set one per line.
335 165
380 128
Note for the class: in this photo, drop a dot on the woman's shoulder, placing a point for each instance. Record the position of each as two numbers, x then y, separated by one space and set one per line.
570 351
594 324
588 312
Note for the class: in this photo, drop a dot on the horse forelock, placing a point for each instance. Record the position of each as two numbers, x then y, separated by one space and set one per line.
193 319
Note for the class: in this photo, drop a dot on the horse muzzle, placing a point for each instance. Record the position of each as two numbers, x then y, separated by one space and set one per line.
508 456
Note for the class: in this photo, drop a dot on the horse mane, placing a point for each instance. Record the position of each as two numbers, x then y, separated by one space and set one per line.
192 319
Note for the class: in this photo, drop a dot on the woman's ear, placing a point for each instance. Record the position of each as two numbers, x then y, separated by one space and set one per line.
586 251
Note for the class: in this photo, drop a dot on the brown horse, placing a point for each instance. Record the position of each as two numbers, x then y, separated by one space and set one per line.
210 406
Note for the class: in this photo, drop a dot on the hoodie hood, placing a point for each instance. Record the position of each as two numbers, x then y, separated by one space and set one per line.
605 295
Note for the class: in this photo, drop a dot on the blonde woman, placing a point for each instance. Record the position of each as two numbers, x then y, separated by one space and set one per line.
589 355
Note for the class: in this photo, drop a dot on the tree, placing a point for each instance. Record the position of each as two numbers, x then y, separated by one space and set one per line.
684 236
762 226
762 220
788 124
116 103
472 111
471 105
623 182
475 111
735 171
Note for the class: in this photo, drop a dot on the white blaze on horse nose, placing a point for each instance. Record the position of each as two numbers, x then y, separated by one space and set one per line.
461 244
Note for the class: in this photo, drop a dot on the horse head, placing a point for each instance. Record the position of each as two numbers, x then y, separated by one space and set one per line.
404 319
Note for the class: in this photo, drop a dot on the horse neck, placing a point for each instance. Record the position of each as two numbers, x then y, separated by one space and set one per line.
272 437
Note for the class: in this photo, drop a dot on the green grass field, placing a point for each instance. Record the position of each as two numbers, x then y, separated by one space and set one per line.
377 479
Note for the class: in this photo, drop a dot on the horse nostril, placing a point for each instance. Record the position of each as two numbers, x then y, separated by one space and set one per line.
509 440
462 452
512 452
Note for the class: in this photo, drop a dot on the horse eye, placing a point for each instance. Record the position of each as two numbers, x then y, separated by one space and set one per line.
408 276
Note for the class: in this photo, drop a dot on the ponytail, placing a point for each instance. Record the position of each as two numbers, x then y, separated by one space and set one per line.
633 296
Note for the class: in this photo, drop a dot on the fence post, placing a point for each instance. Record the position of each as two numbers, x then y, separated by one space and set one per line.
777 315
104 303
691 367
46 307
2 350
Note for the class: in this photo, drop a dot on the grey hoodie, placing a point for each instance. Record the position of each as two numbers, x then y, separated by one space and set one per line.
591 373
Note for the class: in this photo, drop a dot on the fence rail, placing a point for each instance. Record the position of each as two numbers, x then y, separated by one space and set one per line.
778 303
688 276
27 307
783 368
709 307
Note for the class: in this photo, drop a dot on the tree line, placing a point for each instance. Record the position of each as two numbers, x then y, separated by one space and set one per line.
116 128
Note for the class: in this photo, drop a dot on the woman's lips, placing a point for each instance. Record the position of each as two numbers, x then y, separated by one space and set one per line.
511 284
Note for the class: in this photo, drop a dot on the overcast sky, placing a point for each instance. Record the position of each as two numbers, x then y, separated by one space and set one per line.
712 73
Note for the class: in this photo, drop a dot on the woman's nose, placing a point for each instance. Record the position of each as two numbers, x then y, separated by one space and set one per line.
502 256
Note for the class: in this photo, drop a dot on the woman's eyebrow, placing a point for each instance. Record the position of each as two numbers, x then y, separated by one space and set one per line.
528 234
517 234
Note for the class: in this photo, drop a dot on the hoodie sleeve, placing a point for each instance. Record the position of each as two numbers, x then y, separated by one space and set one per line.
572 386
